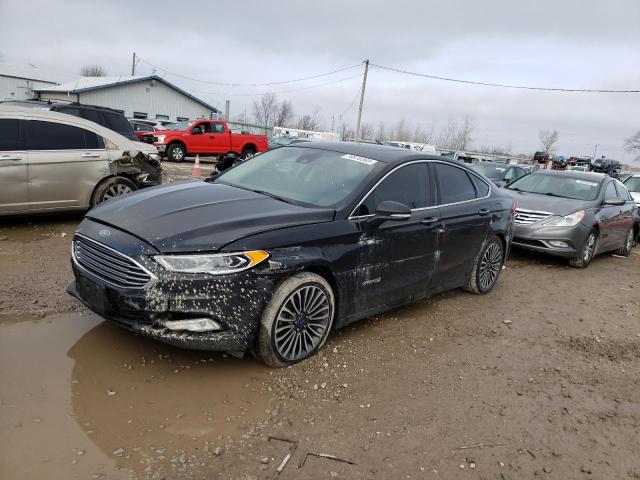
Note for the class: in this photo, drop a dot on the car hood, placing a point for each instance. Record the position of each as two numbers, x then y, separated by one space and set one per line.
197 216
546 203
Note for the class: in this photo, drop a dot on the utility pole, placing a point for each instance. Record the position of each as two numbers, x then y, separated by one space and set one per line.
364 85
595 149
133 65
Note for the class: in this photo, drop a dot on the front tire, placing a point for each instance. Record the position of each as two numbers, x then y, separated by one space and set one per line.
111 188
176 153
587 253
487 267
296 321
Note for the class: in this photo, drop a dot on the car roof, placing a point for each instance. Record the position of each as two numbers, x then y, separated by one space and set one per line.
49 115
591 176
381 153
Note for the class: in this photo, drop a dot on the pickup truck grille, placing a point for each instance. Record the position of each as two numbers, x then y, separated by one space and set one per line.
529 217
111 266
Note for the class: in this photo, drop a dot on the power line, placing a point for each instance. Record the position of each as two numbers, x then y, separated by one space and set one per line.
254 94
351 104
500 85
267 84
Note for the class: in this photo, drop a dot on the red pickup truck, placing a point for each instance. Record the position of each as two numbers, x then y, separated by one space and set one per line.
204 137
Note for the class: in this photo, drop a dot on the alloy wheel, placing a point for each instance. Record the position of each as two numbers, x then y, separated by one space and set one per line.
490 266
116 190
177 154
302 322
629 242
589 248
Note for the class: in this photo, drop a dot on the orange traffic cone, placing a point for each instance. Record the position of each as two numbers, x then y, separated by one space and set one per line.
195 173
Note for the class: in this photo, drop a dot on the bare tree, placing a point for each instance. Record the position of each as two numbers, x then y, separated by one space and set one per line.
94 70
463 135
402 130
310 121
264 111
283 113
345 132
548 139
381 133
632 144
446 137
366 131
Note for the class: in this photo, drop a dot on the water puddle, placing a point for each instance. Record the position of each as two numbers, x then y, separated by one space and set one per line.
82 398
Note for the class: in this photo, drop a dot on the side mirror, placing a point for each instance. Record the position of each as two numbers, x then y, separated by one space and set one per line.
390 211
614 201
196 131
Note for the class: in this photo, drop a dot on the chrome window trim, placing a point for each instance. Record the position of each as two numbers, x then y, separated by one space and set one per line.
153 278
356 217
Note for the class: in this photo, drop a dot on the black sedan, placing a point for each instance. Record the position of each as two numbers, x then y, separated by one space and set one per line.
272 254
572 214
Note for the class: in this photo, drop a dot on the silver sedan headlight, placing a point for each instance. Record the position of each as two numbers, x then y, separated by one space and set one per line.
567 221
214 264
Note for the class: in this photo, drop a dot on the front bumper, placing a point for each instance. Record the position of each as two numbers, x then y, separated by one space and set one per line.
538 238
234 301
161 147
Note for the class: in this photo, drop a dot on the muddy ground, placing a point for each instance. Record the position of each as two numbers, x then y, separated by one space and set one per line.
538 378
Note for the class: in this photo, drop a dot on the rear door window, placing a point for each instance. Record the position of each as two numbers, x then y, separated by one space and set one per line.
610 192
455 184
119 124
58 136
408 185
10 136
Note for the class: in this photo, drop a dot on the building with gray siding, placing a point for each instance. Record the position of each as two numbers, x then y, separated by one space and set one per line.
146 97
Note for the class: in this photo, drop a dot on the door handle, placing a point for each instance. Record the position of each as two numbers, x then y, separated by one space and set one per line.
483 211
90 155
428 220
7 157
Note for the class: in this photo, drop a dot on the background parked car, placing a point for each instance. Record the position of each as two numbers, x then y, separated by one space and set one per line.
290 244
501 173
632 182
107 117
575 215
51 161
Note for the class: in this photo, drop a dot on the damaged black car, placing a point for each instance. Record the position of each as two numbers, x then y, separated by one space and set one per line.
274 253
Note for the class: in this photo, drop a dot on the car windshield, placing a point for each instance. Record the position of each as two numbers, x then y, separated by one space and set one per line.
307 176
633 184
557 186
489 171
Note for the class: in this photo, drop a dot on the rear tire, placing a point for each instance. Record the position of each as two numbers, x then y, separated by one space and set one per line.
625 250
487 267
176 153
111 188
296 321
248 152
587 253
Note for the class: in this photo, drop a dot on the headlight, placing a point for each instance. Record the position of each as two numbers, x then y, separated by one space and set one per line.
567 221
160 138
215 264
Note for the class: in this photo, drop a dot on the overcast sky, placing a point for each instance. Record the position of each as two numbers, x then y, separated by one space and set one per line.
553 43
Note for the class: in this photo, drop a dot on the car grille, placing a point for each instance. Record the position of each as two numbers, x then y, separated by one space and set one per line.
529 217
109 265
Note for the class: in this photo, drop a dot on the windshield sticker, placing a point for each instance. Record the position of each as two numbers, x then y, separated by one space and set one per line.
584 182
356 158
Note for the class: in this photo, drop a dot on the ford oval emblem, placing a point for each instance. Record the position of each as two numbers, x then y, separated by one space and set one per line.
104 233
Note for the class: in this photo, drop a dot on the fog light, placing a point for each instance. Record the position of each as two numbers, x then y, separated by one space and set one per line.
192 325
558 244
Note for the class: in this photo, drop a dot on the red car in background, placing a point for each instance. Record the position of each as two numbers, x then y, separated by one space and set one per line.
204 137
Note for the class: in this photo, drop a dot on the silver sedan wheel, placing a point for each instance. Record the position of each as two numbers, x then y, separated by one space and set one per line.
116 191
302 322
490 266
589 248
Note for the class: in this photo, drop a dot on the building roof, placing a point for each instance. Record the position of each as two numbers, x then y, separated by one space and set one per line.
86 84
30 72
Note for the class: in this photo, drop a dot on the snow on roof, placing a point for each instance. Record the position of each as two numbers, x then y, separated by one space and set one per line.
84 84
